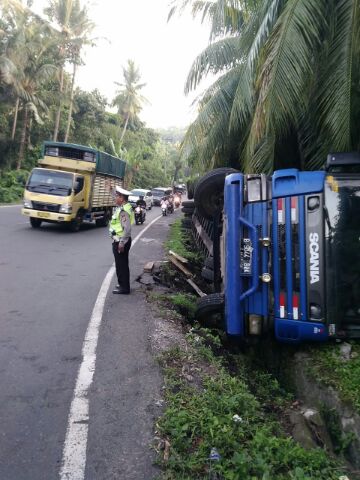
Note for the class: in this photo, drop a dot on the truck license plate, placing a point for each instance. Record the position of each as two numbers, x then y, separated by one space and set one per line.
43 214
246 256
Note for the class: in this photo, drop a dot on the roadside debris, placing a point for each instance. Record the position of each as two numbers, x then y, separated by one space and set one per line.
180 266
178 261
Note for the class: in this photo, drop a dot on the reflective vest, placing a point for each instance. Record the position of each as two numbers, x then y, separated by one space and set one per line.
115 224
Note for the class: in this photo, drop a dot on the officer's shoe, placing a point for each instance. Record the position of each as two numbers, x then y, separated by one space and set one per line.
120 291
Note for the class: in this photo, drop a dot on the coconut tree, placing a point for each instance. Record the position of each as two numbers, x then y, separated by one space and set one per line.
289 74
128 99
36 72
23 32
75 26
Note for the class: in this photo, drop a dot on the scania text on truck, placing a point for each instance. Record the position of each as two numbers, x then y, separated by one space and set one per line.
72 184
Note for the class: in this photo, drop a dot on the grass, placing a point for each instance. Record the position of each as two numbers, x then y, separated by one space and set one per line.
200 417
180 241
327 366
183 303
222 401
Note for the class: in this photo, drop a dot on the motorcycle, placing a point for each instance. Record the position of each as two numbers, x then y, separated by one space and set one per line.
140 215
164 210
170 207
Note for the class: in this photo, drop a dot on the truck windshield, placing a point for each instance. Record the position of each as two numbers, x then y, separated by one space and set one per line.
342 249
50 182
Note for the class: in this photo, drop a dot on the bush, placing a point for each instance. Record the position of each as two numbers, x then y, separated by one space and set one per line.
12 184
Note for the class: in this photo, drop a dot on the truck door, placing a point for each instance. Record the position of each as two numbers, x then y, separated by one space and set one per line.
79 193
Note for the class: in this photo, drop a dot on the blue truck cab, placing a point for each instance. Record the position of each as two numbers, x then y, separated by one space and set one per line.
291 252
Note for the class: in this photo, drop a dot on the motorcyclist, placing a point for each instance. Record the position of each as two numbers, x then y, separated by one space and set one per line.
171 204
164 202
141 202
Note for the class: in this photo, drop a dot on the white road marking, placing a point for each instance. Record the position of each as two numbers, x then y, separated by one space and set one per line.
74 451
9 206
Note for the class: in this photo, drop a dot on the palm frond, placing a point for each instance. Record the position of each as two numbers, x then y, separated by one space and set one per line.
287 66
219 56
335 95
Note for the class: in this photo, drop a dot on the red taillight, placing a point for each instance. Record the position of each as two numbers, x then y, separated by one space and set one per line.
282 305
280 207
295 307
293 209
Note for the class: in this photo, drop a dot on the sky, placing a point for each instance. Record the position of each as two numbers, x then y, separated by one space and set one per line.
163 51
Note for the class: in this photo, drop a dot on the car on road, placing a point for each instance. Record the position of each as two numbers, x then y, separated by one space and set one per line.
137 193
159 193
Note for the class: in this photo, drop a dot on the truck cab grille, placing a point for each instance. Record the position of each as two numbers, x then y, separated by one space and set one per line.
46 207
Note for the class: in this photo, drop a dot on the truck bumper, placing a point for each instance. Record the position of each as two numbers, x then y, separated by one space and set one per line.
47 216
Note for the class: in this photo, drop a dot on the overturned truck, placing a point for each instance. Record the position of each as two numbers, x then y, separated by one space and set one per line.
285 254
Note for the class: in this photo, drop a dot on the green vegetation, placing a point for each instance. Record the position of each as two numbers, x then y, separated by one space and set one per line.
38 100
287 86
221 399
213 409
327 366
340 440
185 303
180 241
12 185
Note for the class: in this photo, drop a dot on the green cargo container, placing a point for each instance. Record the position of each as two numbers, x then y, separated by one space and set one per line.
105 163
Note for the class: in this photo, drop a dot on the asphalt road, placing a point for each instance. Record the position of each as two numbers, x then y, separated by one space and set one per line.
50 279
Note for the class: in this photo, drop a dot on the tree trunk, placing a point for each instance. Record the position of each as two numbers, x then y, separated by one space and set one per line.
124 129
71 103
58 113
23 139
28 136
15 119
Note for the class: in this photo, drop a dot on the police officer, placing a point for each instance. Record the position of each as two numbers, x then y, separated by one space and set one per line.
120 232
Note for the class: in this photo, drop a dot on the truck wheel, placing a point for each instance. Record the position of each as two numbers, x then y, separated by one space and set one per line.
207 274
75 224
35 222
210 310
209 192
209 263
188 210
191 184
188 204
186 223
103 221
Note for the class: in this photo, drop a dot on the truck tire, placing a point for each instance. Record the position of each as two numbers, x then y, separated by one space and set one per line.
188 210
75 224
35 222
210 310
209 263
207 274
209 192
103 221
191 188
188 204
186 223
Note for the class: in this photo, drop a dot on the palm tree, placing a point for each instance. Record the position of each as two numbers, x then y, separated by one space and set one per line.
23 31
128 100
36 72
75 26
289 75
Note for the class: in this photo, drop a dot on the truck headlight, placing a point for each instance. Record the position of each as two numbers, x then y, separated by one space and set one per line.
255 324
254 190
65 208
27 204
